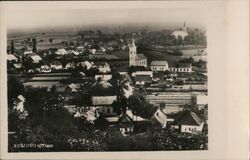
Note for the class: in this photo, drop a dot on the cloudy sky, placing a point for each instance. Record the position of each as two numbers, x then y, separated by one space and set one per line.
25 17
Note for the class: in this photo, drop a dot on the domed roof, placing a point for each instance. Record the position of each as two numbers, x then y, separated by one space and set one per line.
102 88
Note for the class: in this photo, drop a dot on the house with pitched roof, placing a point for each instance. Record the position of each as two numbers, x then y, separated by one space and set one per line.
35 59
56 65
11 58
104 68
159 119
103 96
188 122
73 87
201 101
104 77
19 103
86 64
61 51
142 79
159 65
181 67
125 124
142 73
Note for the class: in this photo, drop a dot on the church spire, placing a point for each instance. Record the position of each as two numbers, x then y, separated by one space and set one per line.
133 41
184 27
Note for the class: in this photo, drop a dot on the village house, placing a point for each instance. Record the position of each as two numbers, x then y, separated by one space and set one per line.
45 69
128 90
134 117
11 58
104 68
134 58
103 95
102 49
35 59
76 53
201 101
159 65
104 77
70 65
73 87
56 65
93 51
105 102
180 33
19 104
188 122
61 51
181 67
17 66
28 51
142 79
80 49
160 118
86 64
125 124
142 73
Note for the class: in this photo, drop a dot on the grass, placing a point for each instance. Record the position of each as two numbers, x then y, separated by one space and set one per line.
57 40
155 55
121 54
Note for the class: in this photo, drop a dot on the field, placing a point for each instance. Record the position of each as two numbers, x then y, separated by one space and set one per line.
121 54
103 56
157 55
43 39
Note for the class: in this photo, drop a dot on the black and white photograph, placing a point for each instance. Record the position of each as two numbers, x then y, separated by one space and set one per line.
107 79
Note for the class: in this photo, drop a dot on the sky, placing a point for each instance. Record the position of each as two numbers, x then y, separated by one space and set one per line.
30 18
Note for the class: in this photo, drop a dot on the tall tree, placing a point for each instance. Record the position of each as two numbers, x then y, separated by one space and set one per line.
34 45
51 40
12 47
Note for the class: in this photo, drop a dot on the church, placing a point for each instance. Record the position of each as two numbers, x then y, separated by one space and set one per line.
134 58
181 33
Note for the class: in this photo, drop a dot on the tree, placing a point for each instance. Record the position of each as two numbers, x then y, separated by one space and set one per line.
162 105
15 88
12 47
141 107
34 45
117 108
51 40
101 122
71 44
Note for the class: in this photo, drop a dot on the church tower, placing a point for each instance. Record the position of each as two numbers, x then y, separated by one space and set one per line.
184 28
132 53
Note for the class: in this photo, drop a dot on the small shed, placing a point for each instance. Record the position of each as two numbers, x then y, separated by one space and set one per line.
125 124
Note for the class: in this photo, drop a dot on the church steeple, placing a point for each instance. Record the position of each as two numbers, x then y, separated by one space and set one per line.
132 53
184 28
133 41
